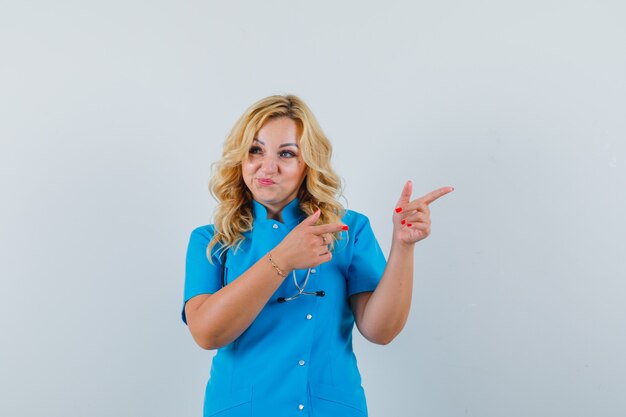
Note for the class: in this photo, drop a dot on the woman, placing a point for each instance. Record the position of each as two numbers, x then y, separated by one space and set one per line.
277 283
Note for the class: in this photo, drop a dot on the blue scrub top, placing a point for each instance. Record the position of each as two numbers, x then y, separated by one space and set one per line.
296 358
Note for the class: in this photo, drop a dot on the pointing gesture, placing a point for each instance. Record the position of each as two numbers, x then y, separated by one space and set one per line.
306 245
411 220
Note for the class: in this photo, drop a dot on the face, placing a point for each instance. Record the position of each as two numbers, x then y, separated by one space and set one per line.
274 170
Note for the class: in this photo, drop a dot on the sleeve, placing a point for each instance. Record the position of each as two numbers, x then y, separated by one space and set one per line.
368 261
201 277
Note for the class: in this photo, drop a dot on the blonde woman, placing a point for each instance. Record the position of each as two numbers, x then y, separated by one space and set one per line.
277 283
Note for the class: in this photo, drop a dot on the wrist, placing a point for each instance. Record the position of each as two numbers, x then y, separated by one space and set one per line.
279 260
402 246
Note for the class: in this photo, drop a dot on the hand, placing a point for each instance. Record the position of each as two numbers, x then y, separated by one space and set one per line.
306 246
411 221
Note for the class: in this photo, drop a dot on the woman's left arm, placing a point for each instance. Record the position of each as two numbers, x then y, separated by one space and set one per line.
380 315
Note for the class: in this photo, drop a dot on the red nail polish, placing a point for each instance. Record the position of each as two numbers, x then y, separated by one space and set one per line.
344 227
399 209
409 225
403 221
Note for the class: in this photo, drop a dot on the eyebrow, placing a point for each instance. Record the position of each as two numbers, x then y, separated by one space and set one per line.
281 146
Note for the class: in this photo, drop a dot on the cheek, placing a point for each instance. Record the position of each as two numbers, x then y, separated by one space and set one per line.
292 167
246 174
297 170
248 168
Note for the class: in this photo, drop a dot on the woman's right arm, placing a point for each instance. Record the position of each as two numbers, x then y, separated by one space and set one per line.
217 319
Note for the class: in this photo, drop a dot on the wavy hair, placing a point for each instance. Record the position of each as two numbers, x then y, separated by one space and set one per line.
321 187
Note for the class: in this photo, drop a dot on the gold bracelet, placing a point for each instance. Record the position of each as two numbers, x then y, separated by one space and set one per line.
278 271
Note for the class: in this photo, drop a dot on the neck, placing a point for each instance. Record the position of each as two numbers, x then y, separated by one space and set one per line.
274 214
280 212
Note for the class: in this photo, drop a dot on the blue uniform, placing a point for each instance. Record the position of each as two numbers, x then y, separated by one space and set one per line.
296 358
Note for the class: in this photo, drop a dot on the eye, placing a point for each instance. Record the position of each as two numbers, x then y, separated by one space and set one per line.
287 154
255 150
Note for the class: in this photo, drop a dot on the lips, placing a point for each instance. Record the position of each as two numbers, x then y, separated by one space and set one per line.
265 181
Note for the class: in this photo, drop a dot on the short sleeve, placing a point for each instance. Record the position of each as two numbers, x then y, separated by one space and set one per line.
368 261
201 277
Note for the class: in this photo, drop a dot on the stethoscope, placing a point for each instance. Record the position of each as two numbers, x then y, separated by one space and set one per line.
300 292
301 289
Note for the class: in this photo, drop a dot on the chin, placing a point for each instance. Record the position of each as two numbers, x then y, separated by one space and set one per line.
266 198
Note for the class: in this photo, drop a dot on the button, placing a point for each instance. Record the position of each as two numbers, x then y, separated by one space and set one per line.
301 362
275 226
301 407
313 271
309 316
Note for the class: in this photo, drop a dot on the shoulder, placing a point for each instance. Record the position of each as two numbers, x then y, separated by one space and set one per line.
202 235
355 220
206 230
200 238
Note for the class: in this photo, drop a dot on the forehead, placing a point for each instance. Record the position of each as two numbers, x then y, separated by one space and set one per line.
278 131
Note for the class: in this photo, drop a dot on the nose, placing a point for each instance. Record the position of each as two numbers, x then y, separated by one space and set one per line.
269 165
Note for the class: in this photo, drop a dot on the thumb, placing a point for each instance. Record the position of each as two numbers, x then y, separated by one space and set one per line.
405 197
312 219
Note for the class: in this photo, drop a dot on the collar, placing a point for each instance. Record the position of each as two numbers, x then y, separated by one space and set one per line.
291 212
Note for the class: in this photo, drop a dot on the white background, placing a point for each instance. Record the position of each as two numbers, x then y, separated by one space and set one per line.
112 112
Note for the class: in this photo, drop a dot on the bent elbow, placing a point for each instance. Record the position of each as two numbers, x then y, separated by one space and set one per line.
208 344
202 339
381 337
211 342
382 340
205 344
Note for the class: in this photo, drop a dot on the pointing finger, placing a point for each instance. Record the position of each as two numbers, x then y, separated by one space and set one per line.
434 195
310 221
328 228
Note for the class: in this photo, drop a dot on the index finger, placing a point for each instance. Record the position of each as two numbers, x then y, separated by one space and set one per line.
433 195
328 228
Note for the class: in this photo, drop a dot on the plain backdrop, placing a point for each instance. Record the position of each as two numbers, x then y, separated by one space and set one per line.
111 113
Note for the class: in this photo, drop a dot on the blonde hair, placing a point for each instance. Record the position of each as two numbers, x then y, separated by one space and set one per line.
321 187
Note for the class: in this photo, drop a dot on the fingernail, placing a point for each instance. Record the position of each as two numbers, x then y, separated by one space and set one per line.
409 225
399 209
344 227
403 221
